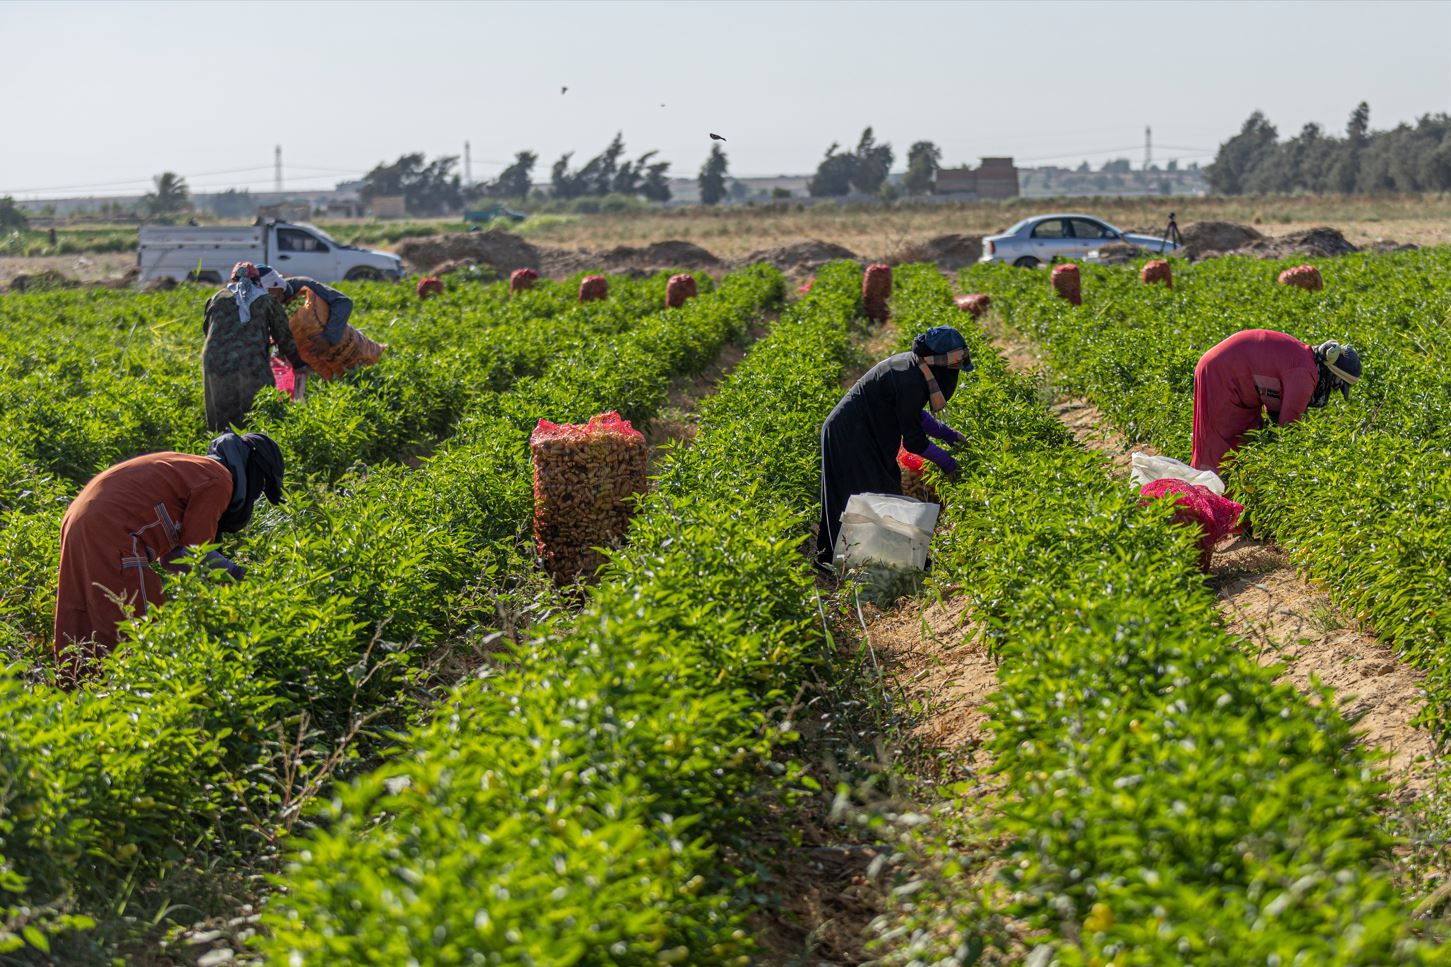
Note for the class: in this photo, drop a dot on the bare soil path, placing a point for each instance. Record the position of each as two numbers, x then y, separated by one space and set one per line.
1287 618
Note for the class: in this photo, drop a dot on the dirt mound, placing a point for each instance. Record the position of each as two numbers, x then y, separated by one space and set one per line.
1214 238
947 252
468 267
1118 253
810 255
1383 245
663 255
1317 243
41 281
499 250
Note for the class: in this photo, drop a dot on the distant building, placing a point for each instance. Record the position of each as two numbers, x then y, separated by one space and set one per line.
994 178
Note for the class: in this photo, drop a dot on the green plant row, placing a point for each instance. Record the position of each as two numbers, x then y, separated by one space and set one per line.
223 703
566 806
457 351
1164 800
1360 492
92 377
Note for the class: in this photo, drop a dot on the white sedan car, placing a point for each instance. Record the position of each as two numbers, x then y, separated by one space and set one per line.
1042 238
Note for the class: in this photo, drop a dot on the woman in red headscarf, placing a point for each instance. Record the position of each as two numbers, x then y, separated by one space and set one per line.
241 324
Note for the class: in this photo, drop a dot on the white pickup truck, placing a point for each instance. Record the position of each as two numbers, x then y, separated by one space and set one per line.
207 254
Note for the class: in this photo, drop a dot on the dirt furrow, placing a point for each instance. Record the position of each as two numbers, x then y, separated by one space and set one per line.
1286 618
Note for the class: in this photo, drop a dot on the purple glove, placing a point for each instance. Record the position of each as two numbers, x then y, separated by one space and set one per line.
938 430
217 561
942 458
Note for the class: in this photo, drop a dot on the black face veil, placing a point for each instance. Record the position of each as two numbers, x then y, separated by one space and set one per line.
256 466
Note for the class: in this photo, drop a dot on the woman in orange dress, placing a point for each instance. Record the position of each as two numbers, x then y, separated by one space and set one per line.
155 508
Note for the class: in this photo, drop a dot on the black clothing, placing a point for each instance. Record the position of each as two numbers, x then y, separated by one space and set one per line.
860 439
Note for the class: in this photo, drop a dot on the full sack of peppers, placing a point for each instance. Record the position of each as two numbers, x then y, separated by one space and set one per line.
329 361
585 478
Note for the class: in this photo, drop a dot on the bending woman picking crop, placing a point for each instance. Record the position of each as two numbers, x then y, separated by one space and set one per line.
882 413
241 324
154 508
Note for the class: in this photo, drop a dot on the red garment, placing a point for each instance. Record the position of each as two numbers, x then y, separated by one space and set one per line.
128 516
1250 371
1217 517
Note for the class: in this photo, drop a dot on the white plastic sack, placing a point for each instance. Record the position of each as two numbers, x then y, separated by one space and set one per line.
885 529
1148 468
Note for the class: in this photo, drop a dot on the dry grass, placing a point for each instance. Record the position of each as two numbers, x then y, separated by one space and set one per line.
880 232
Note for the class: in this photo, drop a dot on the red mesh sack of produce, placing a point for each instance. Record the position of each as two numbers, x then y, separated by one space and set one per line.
1066 283
354 349
521 279
914 481
584 479
283 376
1157 271
876 290
805 287
593 287
678 289
976 303
1303 277
1216 517
429 285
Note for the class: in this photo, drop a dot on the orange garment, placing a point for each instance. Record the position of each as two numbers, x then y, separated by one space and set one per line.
127 517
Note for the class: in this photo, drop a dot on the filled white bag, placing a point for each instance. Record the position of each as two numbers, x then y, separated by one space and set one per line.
1148 468
885 529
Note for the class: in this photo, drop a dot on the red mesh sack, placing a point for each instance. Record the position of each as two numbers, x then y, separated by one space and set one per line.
283 376
429 285
876 290
805 287
1216 517
1157 271
593 287
584 481
678 289
1303 277
521 279
976 303
914 481
1066 283
330 362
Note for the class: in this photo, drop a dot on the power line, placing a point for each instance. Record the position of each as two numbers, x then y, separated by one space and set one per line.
129 181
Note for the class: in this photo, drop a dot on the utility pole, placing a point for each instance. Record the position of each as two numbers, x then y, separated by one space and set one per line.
277 169
468 166
1148 147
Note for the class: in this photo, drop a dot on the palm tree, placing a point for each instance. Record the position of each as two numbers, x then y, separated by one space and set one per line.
171 195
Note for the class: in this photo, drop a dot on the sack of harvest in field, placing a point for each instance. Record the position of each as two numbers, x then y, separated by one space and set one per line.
593 287
914 481
678 289
805 287
1157 271
354 349
1216 517
876 290
1303 277
1066 283
976 303
521 279
584 481
429 285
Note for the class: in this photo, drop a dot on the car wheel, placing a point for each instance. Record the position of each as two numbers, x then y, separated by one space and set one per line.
1026 262
363 273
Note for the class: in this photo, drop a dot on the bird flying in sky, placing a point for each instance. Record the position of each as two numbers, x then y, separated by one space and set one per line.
716 137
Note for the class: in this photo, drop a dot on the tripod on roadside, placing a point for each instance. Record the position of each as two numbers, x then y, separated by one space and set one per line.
1171 234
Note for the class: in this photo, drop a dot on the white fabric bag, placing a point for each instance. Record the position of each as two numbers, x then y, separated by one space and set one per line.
885 529
1148 468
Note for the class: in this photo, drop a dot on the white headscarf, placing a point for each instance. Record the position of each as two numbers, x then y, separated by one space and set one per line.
245 292
271 279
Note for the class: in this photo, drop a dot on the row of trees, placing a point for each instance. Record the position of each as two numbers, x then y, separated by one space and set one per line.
1405 158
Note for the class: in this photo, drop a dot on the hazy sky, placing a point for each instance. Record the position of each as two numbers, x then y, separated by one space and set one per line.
100 96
